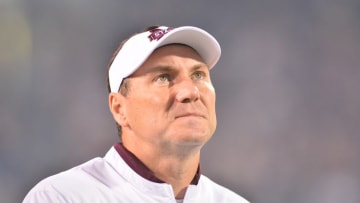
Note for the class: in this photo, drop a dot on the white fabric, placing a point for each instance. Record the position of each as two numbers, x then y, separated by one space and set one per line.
110 179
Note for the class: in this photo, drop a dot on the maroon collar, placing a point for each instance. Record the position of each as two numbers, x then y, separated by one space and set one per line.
140 167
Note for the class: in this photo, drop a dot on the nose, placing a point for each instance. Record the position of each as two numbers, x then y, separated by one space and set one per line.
187 92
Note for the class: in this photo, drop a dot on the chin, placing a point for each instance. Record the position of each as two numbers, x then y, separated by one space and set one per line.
193 139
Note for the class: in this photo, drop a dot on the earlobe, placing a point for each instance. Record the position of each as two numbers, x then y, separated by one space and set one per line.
117 108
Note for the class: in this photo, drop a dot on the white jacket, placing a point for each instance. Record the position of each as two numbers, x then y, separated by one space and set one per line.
110 179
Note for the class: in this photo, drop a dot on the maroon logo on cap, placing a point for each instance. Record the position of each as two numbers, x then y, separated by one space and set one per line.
158 33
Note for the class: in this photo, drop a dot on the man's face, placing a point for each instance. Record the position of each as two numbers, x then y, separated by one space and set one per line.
171 100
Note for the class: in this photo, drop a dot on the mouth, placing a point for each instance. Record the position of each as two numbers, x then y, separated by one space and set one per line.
189 115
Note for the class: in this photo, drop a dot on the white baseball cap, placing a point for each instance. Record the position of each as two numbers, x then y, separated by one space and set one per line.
138 48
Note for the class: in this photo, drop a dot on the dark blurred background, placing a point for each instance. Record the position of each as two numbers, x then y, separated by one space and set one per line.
288 98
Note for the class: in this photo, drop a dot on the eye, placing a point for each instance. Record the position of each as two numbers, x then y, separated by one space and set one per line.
198 75
163 78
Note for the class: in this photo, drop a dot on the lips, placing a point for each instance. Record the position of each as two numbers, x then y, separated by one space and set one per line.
184 115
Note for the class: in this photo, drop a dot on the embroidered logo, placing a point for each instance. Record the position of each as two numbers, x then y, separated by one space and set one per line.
158 33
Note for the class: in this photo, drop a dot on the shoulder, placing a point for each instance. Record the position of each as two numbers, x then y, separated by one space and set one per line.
219 192
70 184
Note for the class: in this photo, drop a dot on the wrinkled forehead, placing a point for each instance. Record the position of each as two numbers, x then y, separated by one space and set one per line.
172 57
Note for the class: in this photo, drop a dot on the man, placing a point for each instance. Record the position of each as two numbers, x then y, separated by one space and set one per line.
163 102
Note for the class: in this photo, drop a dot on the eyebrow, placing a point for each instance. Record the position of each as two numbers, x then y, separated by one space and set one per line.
160 69
166 68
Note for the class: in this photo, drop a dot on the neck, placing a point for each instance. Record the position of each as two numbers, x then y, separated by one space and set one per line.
178 173
178 167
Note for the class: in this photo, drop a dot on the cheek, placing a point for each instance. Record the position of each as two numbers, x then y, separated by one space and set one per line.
145 109
211 103
213 112
210 97
209 92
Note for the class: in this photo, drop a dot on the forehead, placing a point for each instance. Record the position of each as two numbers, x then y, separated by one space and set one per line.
174 54
177 49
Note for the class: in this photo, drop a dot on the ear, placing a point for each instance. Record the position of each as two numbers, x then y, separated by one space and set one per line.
117 108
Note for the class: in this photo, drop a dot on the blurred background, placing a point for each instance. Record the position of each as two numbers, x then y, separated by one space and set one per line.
288 98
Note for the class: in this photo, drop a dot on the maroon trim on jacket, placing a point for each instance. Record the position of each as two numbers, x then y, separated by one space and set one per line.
140 167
